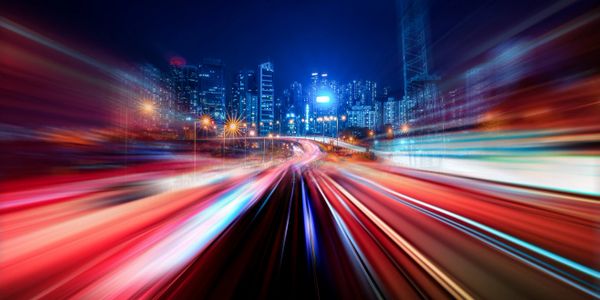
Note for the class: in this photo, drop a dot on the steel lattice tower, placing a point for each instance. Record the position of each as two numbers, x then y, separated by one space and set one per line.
420 89
414 27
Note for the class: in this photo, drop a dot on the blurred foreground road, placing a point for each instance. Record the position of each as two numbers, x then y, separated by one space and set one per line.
311 226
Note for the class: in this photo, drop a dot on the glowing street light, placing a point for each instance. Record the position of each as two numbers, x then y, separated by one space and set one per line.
232 126
271 137
205 121
405 128
148 107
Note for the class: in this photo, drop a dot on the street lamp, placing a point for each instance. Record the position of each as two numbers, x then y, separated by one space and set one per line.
264 147
205 120
245 125
232 126
405 128
320 120
148 107
271 137
337 130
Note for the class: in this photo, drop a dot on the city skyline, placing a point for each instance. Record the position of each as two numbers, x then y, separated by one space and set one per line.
441 81
344 45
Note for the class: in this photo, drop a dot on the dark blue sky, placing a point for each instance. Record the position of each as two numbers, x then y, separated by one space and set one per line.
348 39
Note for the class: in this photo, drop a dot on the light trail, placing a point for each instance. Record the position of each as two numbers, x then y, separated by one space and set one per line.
568 278
454 288
292 216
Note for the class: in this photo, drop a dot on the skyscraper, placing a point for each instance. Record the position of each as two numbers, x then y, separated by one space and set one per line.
420 88
152 89
243 96
234 103
390 112
182 81
212 89
252 98
322 101
278 114
266 98
362 116
293 104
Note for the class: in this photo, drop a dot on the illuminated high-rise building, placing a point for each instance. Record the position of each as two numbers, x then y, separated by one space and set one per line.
390 112
244 96
293 108
153 89
420 87
322 102
266 98
183 82
362 116
212 89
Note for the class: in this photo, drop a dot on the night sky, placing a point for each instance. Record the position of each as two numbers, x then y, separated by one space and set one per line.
347 39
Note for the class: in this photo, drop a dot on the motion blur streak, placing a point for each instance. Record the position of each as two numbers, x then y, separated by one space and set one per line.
594 274
169 229
399 233
483 185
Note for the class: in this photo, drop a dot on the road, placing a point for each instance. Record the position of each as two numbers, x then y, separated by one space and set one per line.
311 226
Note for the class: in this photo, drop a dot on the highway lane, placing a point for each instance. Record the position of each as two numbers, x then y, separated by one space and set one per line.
481 249
310 226
278 249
